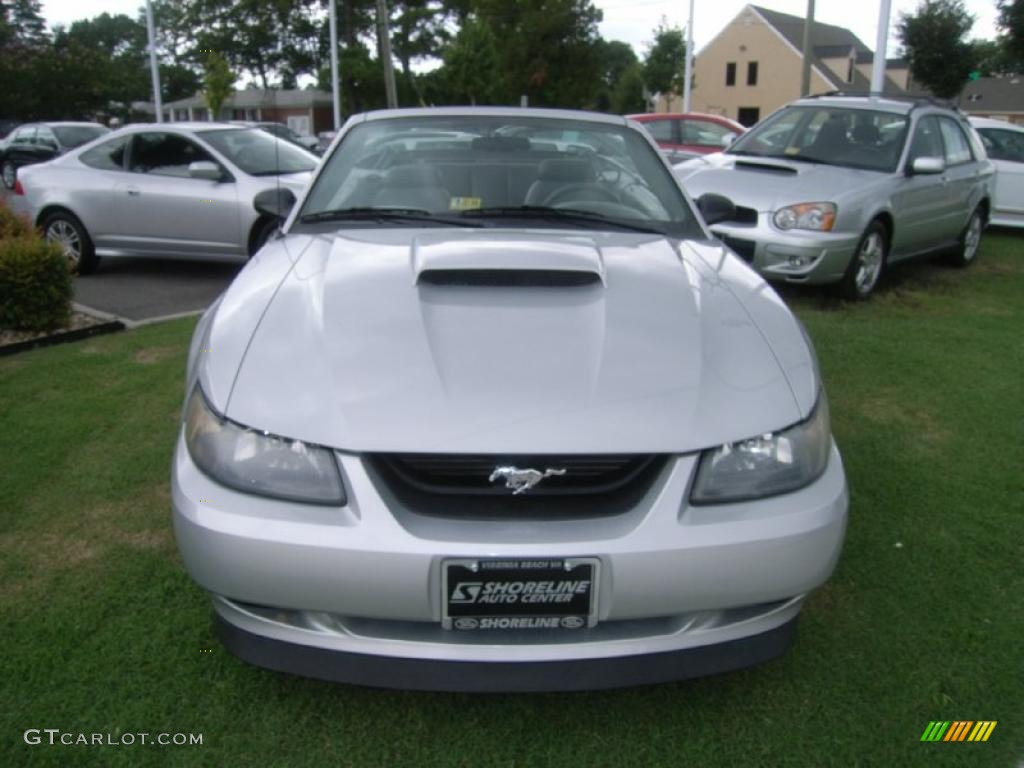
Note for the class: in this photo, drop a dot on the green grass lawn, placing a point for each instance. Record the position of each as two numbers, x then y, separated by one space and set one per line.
924 619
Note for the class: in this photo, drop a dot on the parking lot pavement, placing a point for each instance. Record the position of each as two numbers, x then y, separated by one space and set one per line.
139 290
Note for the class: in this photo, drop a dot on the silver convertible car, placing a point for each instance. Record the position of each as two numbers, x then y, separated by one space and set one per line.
833 189
183 190
495 413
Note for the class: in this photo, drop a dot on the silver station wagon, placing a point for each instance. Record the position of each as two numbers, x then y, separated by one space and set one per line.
834 189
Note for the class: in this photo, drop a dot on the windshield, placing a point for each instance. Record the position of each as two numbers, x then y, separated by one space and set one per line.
506 171
73 135
855 138
257 152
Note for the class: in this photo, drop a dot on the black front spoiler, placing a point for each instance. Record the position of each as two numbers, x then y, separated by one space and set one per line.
504 677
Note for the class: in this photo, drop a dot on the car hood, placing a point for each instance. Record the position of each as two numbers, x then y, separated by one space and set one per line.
767 184
496 341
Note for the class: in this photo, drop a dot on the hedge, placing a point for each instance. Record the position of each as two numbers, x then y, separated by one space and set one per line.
12 225
35 283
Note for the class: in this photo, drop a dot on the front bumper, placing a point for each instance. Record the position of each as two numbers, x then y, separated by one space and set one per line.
796 256
296 584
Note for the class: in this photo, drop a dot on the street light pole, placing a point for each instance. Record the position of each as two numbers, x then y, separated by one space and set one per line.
805 72
335 85
155 70
689 62
881 42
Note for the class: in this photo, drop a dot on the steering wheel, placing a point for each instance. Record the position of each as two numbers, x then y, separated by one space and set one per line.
582 191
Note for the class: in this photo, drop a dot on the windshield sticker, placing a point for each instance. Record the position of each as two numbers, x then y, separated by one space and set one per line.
792 150
464 203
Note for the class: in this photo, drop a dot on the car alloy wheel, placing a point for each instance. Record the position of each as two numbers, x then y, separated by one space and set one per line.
972 237
64 234
867 265
10 175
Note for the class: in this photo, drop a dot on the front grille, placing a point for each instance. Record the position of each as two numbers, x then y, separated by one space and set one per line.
742 248
458 484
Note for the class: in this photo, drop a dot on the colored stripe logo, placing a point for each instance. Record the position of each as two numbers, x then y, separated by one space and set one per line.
959 730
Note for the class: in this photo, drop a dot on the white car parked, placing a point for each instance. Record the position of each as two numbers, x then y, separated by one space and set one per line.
1004 143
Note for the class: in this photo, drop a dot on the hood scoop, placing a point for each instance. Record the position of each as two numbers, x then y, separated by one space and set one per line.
519 261
770 167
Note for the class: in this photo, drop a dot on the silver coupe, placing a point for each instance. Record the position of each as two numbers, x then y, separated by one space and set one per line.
183 190
496 413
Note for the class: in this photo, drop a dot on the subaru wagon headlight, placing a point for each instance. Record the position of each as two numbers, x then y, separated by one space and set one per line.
818 217
767 465
258 463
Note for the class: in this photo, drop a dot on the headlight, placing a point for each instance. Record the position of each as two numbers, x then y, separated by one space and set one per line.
819 217
254 462
768 465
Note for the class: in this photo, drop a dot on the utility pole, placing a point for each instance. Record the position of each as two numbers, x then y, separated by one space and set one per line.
688 75
384 39
335 85
805 73
154 69
881 43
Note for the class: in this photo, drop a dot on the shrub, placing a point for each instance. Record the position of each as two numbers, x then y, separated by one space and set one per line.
12 225
35 284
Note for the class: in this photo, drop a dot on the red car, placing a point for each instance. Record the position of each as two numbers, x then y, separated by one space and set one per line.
689 133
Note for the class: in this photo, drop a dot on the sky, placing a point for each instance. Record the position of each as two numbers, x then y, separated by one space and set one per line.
633 21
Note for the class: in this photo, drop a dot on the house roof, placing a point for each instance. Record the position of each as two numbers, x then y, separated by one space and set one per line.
255 97
994 94
828 41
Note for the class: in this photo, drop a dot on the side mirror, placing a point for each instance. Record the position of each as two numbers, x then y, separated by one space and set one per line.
728 139
927 165
204 169
715 208
275 203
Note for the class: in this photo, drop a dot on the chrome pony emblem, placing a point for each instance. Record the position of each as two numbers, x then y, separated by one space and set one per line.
521 480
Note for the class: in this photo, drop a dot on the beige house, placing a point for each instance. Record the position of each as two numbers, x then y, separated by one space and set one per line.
753 66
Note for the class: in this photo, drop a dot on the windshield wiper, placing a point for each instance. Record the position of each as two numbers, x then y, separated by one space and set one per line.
558 214
387 215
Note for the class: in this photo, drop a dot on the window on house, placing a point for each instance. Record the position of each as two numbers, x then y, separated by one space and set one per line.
751 73
730 73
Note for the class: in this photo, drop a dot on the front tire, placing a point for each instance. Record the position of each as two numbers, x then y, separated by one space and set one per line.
867 265
64 229
970 239
9 174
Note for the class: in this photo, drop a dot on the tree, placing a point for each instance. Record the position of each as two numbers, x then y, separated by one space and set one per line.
219 83
628 94
1011 22
548 50
666 57
472 70
934 44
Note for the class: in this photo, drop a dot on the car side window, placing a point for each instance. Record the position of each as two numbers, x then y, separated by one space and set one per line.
165 154
45 137
927 142
958 151
1003 145
660 130
108 156
24 135
703 133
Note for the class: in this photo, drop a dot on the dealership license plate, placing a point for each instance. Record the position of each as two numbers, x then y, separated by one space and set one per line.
519 593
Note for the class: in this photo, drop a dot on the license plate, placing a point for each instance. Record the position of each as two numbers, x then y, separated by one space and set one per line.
517 594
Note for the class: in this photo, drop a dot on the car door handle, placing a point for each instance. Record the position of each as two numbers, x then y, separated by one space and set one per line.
133 191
